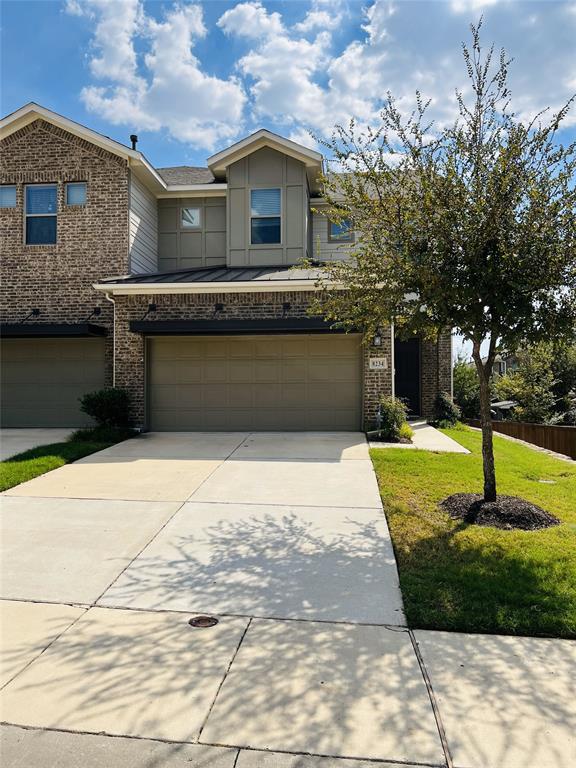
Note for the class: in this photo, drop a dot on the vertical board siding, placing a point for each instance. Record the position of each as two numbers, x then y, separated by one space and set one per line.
143 241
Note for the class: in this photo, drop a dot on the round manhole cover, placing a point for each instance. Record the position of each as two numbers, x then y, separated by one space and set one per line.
203 621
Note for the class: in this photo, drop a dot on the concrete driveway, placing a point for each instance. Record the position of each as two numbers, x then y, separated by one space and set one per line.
13 441
282 538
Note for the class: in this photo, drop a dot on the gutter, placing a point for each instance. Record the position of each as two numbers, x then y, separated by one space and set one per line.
252 286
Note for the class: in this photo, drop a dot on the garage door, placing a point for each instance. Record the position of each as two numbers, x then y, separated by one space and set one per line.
284 382
42 379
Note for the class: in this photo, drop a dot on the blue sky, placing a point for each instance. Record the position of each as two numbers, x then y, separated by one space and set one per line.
192 77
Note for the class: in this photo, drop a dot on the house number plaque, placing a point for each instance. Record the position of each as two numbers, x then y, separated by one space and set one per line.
378 363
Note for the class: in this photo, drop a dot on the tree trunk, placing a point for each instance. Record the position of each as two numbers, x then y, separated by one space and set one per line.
483 371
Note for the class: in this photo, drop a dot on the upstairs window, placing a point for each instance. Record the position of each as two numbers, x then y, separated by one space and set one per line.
76 193
7 196
341 232
265 217
41 214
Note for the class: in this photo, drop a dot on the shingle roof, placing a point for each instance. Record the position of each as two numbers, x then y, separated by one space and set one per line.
220 275
186 174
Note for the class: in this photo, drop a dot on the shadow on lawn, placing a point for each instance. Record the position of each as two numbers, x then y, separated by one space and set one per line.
454 583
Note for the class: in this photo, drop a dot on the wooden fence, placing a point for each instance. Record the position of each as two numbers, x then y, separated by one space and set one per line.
554 438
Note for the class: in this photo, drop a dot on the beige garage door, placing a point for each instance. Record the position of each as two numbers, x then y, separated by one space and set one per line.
309 382
42 379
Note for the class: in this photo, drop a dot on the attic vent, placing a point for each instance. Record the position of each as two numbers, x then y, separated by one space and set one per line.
134 140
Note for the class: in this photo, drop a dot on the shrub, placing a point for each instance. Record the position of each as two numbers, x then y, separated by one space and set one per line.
446 412
108 407
466 389
392 417
101 434
406 432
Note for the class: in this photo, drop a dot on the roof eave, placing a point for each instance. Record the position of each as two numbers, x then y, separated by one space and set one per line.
248 286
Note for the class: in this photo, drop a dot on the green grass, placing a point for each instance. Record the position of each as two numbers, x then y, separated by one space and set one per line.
469 578
29 464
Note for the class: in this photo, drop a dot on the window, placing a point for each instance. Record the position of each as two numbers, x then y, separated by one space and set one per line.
190 218
341 232
76 193
41 210
265 219
7 196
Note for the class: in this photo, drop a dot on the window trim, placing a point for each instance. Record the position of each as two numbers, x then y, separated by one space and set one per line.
40 215
265 216
185 228
15 188
350 239
75 205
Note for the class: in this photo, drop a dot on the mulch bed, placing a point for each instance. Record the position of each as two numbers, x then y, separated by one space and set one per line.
507 512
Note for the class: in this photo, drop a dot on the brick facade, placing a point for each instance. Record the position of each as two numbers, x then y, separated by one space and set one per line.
92 240
92 244
435 370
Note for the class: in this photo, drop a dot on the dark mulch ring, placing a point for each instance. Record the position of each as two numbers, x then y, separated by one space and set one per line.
507 512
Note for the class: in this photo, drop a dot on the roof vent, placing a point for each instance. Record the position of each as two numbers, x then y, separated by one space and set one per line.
134 140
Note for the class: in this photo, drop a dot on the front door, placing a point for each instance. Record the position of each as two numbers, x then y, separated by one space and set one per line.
407 373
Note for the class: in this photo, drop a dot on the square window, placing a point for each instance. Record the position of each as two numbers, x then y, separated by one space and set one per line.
7 196
76 193
41 230
265 202
341 232
190 218
265 231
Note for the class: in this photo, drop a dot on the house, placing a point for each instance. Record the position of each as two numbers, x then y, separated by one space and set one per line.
179 285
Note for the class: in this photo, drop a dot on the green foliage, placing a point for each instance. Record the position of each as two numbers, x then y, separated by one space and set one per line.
531 385
470 227
466 389
406 432
446 412
102 434
393 413
108 407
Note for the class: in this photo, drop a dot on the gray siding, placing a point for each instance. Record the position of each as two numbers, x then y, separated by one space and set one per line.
267 168
322 248
183 248
143 241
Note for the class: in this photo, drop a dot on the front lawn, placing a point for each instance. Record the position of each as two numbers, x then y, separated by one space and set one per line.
467 578
29 464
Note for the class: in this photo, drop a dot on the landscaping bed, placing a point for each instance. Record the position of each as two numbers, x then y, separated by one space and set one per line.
480 578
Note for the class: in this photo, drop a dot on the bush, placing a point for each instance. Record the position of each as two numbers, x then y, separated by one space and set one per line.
108 407
392 418
101 434
466 389
406 433
446 412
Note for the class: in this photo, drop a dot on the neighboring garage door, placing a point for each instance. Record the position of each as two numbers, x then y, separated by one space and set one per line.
278 382
42 379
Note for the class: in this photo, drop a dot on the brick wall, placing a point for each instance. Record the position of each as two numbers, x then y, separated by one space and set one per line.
130 362
436 370
92 239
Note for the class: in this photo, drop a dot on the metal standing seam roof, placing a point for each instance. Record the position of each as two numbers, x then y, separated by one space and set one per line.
186 174
219 275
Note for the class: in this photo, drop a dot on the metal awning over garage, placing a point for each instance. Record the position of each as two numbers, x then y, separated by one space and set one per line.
50 330
238 326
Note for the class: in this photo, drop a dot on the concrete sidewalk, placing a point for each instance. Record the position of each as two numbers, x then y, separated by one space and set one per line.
282 539
14 441
426 438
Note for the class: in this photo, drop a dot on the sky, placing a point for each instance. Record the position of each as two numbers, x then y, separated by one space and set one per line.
190 78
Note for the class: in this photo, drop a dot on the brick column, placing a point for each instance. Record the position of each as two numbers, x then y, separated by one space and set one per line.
376 382
436 370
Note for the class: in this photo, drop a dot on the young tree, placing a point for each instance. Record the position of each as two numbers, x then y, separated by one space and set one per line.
471 227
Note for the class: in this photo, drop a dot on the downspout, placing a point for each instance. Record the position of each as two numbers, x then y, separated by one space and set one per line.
111 300
392 360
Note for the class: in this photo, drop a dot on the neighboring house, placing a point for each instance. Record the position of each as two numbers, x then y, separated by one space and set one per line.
502 409
178 285
503 364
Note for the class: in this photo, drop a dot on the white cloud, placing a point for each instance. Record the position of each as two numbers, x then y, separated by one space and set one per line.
251 20
472 6
169 90
323 15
